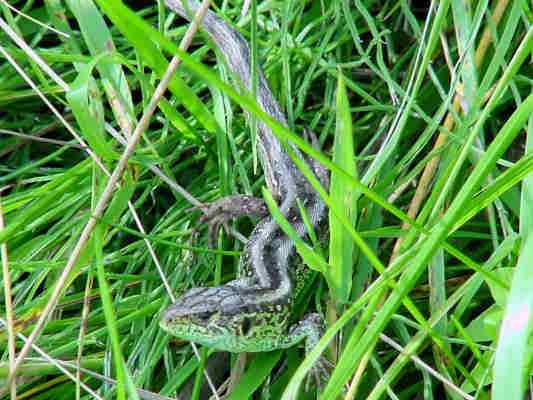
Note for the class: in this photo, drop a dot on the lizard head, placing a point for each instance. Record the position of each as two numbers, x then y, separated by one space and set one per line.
220 317
214 316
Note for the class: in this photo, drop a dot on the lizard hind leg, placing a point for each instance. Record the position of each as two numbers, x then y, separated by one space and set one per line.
227 208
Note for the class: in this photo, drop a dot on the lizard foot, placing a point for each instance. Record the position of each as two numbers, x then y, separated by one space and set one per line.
319 374
227 208
311 328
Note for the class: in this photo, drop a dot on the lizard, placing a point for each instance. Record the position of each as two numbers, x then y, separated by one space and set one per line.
252 313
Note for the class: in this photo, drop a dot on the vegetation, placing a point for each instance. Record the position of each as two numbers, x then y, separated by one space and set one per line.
423 114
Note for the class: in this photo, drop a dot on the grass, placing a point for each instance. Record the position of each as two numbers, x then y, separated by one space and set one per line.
424 117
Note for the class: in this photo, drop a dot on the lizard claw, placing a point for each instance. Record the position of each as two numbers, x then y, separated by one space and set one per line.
214 215
319 373
213 224
227 208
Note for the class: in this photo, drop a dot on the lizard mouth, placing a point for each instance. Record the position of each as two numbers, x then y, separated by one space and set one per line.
170 322
180 326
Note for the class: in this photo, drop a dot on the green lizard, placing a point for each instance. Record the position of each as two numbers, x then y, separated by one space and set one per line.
252 313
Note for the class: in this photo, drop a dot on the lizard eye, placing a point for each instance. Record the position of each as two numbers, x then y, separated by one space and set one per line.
246 326
204 316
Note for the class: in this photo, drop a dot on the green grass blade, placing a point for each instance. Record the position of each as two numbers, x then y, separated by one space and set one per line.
256 373
341 245
513 353
134 29
348 362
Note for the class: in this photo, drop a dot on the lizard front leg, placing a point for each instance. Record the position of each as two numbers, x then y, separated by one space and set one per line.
309 329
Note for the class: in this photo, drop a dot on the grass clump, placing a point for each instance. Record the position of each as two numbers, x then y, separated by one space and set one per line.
423 116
